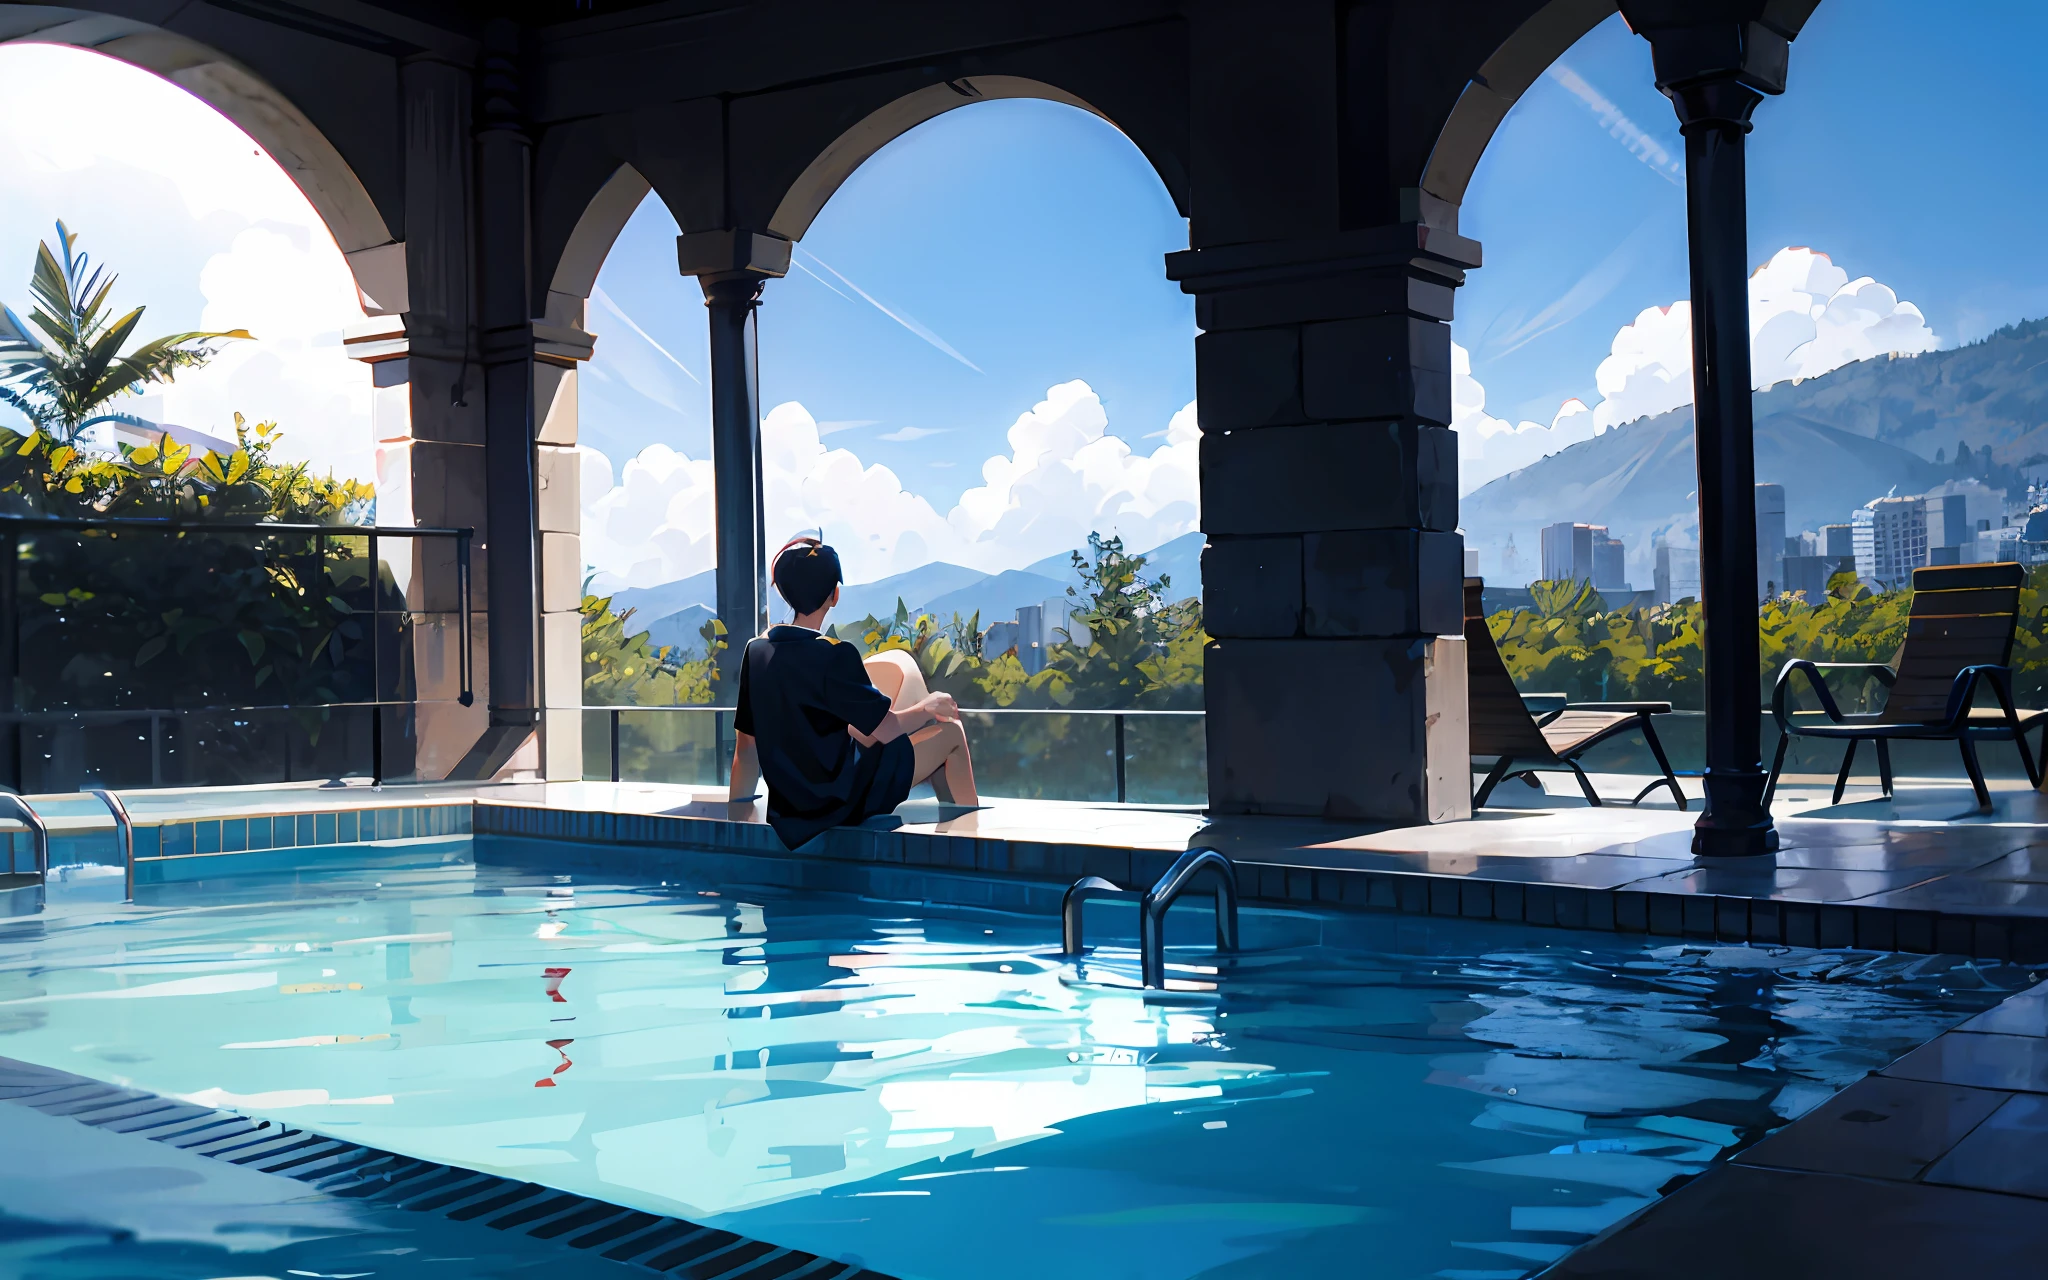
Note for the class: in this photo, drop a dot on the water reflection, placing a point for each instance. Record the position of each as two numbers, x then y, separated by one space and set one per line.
1362 1095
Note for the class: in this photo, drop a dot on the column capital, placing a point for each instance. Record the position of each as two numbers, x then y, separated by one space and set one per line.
1404 268
730 253
1715 61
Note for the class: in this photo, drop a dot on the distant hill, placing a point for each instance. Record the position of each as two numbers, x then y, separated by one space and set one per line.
998 596
673 612
1835 442
657 602
915 588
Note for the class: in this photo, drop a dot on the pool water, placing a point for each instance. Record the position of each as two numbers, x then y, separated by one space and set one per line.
934 1092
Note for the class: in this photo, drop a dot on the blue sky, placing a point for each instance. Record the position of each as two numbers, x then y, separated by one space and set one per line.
1027 238
1900 149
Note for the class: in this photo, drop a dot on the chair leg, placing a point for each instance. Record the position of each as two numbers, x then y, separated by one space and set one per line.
1884 766
1657 750
1777 767
1842 779
1585 783
1492 780
2019 739
1969 750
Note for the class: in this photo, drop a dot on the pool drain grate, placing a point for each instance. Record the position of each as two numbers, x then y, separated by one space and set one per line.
667 1246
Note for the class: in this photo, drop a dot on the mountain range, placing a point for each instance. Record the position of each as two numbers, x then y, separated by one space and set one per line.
1834 441
674 612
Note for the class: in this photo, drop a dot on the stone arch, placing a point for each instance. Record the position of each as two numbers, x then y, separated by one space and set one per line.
1499 83
805 196
265 113
590 239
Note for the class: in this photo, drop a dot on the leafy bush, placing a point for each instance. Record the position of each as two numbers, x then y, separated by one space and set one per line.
620 668
1570 642
1131 646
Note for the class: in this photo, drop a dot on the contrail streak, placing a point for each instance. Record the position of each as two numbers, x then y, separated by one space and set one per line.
899 317
604 300
1619 127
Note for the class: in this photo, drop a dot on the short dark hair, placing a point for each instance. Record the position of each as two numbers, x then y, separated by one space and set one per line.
805 572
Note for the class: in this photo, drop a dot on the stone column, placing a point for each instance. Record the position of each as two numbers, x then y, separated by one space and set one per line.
732 266
427 410
504 162
1334 572
1715 68
560 346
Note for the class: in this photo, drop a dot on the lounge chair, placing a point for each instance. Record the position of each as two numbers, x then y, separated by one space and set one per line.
1523 744
1958 641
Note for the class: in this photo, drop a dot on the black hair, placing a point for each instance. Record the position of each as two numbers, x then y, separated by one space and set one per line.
806 571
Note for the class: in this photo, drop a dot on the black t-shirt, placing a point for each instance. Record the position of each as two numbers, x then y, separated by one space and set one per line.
799 692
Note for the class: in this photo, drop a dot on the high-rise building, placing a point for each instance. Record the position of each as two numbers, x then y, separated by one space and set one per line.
1891 539
1676 573
1610 563
1568 552
1948 521
1770 539
1838 541
1585 553
1807 577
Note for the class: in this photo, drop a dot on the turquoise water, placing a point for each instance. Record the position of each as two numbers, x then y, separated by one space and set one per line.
934 1092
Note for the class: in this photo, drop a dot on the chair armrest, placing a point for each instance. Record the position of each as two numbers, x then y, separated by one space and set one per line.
1812 671
1640 708
1963 694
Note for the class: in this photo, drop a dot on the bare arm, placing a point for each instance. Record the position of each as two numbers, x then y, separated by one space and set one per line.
927 711
746 768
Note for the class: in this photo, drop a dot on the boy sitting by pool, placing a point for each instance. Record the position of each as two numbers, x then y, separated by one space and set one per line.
838 740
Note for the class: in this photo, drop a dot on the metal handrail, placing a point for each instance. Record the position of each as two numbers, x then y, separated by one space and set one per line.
1119 753
38 829
124 830
1075 899
1152 912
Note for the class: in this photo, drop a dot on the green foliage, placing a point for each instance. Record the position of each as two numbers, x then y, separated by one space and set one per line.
161 618
620 668
61 378
40 475
1571 643
1131 646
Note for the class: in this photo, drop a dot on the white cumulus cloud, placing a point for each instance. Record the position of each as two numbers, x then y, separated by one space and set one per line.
651 521
203 228
1806 317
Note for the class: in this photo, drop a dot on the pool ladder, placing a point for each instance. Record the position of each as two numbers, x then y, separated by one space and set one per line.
1152 907
39 831
124 832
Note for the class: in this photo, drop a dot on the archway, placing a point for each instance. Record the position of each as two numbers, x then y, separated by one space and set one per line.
256 106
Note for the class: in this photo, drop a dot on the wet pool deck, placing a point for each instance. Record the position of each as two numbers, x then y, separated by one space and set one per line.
1923 872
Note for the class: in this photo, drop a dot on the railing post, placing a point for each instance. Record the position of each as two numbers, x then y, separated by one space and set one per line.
468 695
1122 790
615 744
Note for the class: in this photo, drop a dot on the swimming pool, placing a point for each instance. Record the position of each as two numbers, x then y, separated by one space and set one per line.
934 1092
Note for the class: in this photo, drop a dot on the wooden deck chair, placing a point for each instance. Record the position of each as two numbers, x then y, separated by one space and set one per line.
1522 744
1958 640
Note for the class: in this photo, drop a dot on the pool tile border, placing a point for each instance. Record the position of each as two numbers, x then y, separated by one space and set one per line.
1705 917
643 1241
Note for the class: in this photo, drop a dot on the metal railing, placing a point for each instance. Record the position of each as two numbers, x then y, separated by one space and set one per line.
38 830
611 722
124 832
87 730
1153 905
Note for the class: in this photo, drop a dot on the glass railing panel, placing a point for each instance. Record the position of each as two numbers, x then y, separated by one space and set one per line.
1166 758
1043 755
683 746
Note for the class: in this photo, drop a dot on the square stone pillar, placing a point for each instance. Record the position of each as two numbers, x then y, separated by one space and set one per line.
1333 575
560 344
426 478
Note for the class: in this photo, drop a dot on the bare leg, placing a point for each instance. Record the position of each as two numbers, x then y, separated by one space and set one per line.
895 673
942 760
